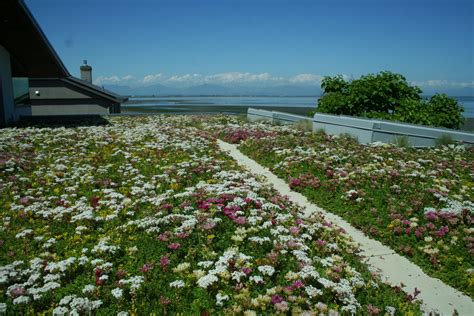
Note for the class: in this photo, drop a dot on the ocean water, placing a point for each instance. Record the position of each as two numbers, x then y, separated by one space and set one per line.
238 104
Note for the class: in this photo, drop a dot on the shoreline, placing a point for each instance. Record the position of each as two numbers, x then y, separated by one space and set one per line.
236 110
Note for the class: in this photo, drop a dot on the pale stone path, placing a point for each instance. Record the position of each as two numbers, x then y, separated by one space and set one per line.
437 297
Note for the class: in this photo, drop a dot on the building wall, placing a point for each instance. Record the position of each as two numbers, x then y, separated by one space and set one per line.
40 110
7 107
56 97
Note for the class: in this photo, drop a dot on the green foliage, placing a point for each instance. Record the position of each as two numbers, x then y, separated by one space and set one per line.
445 111
387 96
402 141
444 140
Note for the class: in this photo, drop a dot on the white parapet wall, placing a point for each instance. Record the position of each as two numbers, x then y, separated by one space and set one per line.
369 131
360 129
255 115
287 118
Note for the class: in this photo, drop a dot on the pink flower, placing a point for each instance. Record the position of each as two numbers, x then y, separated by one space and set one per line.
373 310
208 225
182 235
329 173
246 270
442 231
240 220
418 233
431 216
163 237
167 206
294 230
320 242
121 274
430 226
174 246
164 262
297 284
18 291
94 201
398 230
203 206
147 267
277 299
24 200
282 307
294 182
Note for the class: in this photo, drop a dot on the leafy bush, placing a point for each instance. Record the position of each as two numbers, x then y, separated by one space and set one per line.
444 140
387 96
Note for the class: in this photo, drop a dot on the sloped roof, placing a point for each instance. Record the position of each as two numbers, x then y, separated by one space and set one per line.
31 53
97 90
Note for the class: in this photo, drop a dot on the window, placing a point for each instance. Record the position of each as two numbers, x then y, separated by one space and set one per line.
21 91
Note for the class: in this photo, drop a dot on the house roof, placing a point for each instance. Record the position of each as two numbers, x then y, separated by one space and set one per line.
31 54
30 51
95 89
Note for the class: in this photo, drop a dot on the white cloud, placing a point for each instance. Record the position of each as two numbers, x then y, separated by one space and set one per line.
238 77
187 78
306 78
444 83
103 80
150 79
243 78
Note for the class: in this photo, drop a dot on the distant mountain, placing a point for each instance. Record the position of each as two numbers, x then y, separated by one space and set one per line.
212 89
156 89
291 90
122 90
207 89
455 92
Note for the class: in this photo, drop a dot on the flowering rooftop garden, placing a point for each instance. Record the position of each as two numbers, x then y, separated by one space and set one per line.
417 201
147 215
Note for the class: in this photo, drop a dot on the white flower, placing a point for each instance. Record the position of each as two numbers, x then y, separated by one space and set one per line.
256 278
312 291
207 280
88 288
3 308
24 233
21 300
177 284
205 264
60 311
117 293
390 310
122 313
220 299
182 267
266 270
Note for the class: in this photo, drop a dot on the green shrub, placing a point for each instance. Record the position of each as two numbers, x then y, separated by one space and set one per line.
401 141
444 140
445 111
387 96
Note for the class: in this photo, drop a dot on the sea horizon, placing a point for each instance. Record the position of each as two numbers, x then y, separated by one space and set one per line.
235 104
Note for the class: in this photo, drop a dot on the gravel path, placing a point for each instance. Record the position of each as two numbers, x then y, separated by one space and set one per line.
437 297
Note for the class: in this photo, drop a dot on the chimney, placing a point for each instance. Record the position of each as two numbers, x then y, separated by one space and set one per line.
86 72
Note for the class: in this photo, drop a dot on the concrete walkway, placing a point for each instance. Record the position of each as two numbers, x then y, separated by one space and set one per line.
437 297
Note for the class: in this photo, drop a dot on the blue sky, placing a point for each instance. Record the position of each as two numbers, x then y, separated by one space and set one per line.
138 42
